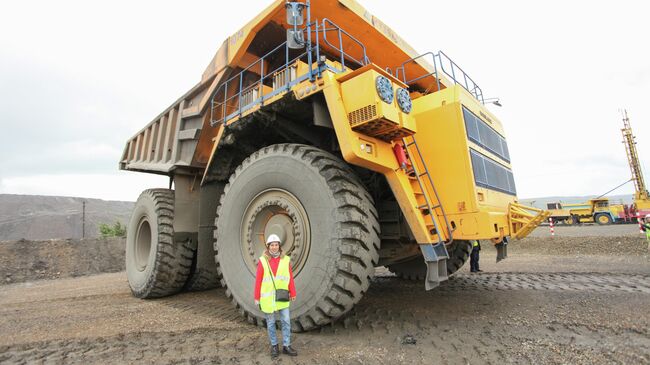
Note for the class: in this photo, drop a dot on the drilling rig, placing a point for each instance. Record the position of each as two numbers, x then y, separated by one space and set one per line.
641 197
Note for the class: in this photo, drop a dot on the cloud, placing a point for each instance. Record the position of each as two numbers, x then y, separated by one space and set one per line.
78 78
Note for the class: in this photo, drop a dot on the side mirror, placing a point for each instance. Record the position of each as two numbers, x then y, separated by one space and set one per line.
294 13
295 37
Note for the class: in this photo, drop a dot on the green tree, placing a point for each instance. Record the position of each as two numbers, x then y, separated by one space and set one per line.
116 230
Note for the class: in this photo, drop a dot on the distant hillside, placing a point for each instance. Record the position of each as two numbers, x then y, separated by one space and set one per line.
36 217
541 202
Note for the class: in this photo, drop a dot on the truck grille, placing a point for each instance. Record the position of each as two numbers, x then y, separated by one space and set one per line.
367 113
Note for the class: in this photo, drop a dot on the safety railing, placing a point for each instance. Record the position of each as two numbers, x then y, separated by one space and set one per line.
242 92
340 33
442 64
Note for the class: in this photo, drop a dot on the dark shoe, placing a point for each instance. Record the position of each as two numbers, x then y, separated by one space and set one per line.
275 352
288 350
479 270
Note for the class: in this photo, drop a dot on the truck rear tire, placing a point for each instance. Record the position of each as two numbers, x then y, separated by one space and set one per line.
202 277
415 269
156 266
325 218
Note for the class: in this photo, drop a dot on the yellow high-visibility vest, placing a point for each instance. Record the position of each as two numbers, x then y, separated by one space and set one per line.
267 292
474 243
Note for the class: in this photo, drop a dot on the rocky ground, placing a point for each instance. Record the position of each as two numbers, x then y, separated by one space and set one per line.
24 260
581 300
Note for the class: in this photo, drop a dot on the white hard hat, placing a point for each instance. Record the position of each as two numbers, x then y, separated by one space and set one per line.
647 216
272 238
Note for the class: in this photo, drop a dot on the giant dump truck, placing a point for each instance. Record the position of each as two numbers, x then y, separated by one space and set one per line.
318 123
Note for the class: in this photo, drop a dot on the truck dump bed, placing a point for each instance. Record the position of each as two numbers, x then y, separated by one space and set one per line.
181 136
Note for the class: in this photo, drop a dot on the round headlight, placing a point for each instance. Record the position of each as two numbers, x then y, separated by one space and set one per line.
384 89
404 100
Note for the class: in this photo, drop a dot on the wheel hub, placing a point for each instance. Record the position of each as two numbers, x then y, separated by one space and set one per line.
275 211
142 245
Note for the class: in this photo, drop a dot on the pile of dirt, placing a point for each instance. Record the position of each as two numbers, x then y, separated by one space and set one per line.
35 217
620 245
23 260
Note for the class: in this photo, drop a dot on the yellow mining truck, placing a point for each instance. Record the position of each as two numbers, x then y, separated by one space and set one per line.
596 210
318 123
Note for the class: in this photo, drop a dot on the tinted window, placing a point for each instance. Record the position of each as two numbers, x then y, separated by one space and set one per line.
492 175
470 125
482 134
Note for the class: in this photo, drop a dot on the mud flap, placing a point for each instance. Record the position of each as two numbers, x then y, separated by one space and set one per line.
502 250
435 257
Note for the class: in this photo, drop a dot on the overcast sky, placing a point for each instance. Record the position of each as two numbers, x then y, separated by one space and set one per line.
78 78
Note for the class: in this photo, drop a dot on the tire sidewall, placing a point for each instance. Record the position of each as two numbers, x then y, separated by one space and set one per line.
290 173
144 209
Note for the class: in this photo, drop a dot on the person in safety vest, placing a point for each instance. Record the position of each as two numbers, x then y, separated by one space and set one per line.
646 228
474 256
274 291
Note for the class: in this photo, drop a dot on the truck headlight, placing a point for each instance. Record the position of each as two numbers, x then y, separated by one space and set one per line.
384 89
404 100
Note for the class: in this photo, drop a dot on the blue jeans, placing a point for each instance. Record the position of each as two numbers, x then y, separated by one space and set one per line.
286 327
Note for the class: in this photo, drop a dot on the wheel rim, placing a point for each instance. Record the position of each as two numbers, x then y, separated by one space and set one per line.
275 211
142 244
603 219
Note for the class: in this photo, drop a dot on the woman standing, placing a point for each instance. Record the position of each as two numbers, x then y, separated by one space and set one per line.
272 282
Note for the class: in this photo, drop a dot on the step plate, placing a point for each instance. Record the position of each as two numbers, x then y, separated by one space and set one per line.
435 257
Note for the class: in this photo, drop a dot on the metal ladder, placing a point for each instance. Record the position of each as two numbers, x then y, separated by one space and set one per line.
435 254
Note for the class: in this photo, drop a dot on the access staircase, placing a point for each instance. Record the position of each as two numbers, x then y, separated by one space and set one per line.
429 205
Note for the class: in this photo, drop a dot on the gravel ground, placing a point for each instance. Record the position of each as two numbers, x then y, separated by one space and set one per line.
553 301
588 229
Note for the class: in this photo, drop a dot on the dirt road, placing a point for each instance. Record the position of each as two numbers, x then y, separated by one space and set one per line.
587 229
540 308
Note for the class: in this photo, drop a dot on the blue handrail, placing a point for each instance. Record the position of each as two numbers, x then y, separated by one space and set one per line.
439 61
340 32
233 104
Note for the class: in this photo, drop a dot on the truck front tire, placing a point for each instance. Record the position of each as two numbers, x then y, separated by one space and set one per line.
325 218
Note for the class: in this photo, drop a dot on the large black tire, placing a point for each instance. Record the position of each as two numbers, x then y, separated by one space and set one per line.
336 263
203 275
603 219
415 269
156 266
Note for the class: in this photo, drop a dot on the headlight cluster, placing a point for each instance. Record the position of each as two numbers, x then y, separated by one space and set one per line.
385 91
404 100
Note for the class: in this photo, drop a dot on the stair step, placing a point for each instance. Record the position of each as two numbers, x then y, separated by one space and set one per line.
427 205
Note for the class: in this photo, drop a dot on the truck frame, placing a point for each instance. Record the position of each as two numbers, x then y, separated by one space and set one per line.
318 123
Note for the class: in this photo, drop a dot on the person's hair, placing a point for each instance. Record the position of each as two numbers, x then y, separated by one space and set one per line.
267 253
